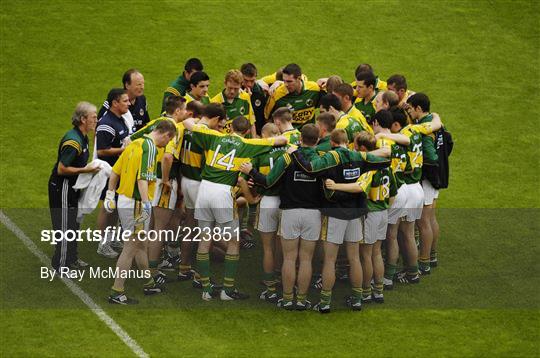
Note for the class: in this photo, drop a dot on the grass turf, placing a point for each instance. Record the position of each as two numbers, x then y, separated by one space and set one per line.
480 70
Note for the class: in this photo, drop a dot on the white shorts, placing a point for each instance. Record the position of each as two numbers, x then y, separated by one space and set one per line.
303 223
215 203
190 190
430 193
268 214
128 210
375 226
397 210
165 198
415 202
336 230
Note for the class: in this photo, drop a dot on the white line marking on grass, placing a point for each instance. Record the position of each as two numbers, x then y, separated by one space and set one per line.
75 289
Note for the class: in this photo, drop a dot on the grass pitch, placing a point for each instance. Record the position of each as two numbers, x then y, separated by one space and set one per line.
478 62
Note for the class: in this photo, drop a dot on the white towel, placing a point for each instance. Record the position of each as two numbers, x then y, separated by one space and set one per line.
91 186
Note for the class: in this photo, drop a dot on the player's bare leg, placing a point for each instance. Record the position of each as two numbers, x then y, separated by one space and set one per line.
435 229
411 252
288 271
269 247
355 274
305 269
426 238
378 272
366 252
162 218
186 246
392 255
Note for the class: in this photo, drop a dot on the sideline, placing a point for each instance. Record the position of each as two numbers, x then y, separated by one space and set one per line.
75 289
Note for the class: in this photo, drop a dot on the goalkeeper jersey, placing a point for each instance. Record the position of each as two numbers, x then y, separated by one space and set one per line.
137 162
224 153
303 105
240 106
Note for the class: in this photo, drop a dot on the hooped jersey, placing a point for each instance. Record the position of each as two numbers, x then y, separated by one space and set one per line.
225 153
302 105
356 114
379 186
293 136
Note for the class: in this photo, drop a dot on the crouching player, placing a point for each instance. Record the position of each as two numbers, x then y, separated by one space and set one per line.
135 170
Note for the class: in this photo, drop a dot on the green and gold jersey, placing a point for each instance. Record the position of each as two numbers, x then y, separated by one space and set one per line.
147 129
303 105
190 98
356 114
379 186
137 162
191 156
428 143
264 163
293 136
240 106
225 153
324 145
272 78
380 85
398 157
351 126
368 109
413 155
178 87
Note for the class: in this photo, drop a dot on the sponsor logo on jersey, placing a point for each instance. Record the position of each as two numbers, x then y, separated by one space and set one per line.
350 174
301 176
303 115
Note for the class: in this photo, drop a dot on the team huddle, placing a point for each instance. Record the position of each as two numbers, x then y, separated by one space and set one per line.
335 177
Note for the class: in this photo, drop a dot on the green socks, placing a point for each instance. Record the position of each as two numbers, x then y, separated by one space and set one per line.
231 264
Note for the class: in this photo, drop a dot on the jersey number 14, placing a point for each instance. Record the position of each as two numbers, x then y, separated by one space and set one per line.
226 161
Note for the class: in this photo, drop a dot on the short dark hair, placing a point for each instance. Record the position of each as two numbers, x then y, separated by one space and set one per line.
198 77
309 134
196 108
419 99
172 103
214 110
248 69
282 113
384 118
368 78
166 126
328 120
193 64
399 115
292 69
240 124
398 81
330 100
126 78
115 94
345 89
363 67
